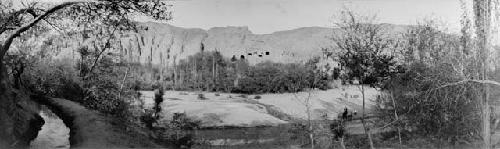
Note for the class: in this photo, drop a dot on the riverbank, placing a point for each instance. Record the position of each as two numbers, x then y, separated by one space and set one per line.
90 129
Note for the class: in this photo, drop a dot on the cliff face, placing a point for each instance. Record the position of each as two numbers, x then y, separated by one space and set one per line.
163 44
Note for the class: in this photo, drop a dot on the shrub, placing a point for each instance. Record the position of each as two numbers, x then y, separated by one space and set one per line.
338 129
453 108
265 77
137 85
179 140
242 96
202 97
159 95
257 97
148 119
181 121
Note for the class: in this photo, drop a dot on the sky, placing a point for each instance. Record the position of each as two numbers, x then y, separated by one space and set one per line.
267 16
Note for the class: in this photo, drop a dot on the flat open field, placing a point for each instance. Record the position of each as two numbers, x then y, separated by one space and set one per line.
227 109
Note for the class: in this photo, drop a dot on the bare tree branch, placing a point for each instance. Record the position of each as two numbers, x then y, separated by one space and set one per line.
491 82
24 28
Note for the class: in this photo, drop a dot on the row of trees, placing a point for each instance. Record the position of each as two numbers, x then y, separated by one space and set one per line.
210 71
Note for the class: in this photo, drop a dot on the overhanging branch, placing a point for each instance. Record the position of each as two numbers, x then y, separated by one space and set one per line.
17 32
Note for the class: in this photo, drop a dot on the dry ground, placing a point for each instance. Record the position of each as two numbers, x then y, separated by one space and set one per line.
227 109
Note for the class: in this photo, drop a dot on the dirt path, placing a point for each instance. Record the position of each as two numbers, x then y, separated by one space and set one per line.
90 129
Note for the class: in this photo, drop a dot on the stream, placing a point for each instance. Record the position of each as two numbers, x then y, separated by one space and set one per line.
54 133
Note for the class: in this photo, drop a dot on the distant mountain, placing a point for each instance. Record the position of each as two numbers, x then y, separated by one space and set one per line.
163 44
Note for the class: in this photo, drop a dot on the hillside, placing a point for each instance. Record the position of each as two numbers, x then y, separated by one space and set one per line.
163 44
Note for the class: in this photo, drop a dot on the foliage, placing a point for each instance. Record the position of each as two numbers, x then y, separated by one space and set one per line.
242 96
179 140
430 95
271 77
176 133
60 78
204 71
450 113
211 72
55 79
100 81
364 49
158 99
202 97
181 121
148 118
337 127
97 25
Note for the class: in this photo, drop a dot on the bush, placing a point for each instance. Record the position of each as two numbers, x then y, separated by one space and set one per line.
266 77
242 96
257 97
181 121
179 140
158 99
202 97
448 113
55 79
271 77
148 119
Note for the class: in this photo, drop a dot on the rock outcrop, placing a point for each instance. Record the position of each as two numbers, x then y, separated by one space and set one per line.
164 44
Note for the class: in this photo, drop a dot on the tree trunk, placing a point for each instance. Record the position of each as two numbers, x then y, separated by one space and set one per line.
342 144
311 135
367 130
397 118
161 69
482 14
175 75
122 84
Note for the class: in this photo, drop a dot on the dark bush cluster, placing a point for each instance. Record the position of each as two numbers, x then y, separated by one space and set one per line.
202 97
181 121
450 113
209 71
271 77
98 89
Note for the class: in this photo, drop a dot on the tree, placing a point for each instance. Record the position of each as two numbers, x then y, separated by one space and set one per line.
482 15
106 13
306 101
363 53
15 22
211 72
445 83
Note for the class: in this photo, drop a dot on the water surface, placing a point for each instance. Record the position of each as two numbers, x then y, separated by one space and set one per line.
54 133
